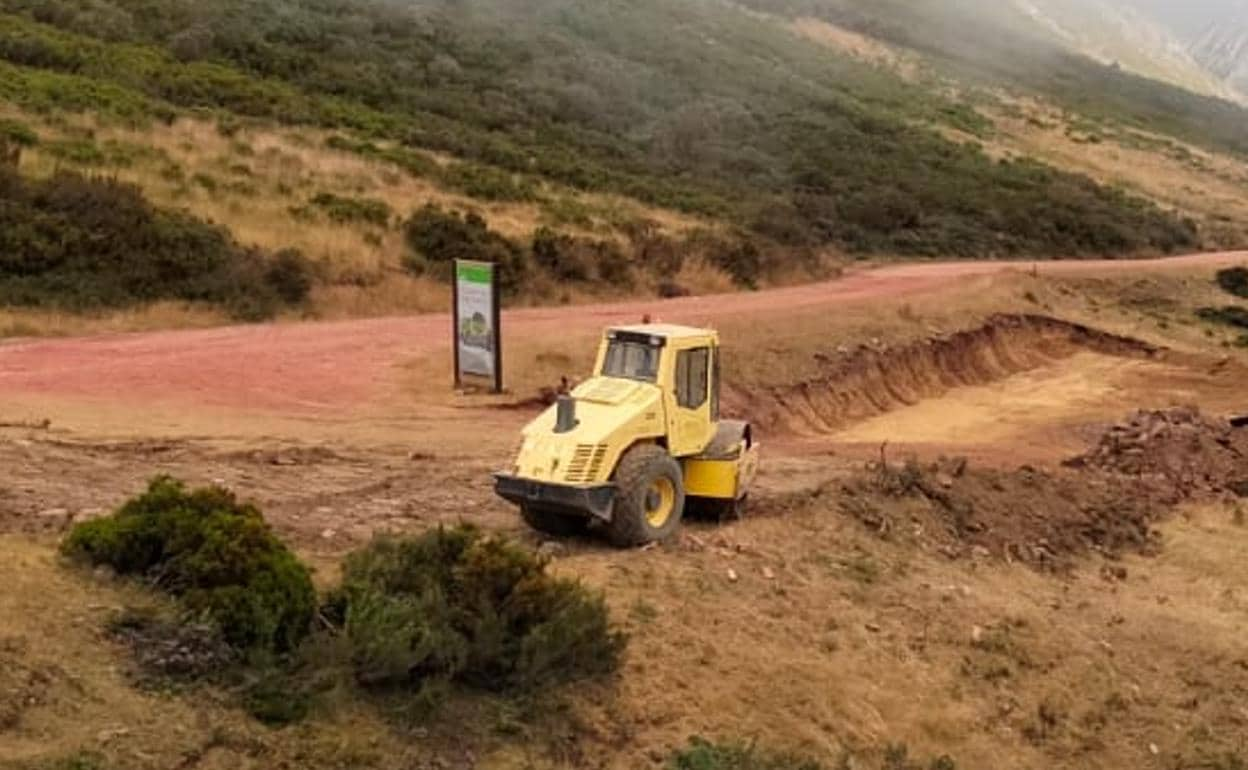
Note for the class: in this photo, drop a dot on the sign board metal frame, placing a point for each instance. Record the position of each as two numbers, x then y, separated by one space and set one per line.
466 288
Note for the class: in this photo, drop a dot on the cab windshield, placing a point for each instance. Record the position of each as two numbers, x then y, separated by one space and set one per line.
631 360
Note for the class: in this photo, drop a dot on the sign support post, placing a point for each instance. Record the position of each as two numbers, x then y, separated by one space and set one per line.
498 333
459 377
477 318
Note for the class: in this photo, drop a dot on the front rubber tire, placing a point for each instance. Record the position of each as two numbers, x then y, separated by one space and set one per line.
551 522
650 497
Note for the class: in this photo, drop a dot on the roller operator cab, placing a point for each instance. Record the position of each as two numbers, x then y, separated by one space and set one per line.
636 444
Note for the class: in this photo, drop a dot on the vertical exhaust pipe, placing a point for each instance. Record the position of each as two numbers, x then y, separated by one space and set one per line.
565 414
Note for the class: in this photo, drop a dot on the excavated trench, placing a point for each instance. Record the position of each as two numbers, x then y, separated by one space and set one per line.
866 382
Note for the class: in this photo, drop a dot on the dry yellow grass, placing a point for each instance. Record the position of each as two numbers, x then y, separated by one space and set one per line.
862 644
868 49
56 323
1204 185
261 172
252 180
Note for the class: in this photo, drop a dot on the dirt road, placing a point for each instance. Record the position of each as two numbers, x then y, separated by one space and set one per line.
337 366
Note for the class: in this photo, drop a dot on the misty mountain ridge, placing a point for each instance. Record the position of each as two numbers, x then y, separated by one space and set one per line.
1201 46
1223 49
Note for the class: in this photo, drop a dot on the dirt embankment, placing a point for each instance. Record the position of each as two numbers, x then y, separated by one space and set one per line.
864 382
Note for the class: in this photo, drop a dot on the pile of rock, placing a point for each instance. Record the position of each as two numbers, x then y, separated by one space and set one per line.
1186 450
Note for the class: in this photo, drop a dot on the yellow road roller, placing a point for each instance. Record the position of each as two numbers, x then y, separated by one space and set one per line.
635 445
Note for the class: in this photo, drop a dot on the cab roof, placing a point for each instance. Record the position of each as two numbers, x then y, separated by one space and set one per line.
667 331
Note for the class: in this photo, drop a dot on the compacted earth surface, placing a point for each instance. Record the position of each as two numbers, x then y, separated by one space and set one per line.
999 524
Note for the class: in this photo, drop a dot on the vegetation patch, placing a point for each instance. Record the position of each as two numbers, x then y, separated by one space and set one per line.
87 152
569 258
1234 280
487 183
349 210
702 754
437 238
82 243
16 133
658 104
414 162
215 554
1228 315
455 606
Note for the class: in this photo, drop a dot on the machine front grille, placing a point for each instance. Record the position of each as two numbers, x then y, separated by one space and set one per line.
586 463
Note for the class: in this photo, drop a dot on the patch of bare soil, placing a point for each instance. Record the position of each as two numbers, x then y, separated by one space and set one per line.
1046 519
863 382
1184 451
319 497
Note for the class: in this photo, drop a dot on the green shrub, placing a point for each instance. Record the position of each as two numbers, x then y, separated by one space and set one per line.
79 760
568 210
488 183
218 556
17 134
206 181
79 243
289 275
86 152
413 162
83 152
705 755
1234 280
1229 315
344 210
573 258
457 606
438 237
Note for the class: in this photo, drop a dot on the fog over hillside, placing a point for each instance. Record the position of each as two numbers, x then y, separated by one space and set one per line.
1194 17
1200 45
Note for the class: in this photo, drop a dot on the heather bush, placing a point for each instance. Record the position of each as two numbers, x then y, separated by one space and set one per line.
456 606
437 238
83 243
217 556
1234 280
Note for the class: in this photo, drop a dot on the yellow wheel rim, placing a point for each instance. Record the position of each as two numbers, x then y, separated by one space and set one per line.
660 501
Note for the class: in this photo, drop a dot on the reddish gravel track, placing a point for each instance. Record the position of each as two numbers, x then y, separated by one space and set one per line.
310 367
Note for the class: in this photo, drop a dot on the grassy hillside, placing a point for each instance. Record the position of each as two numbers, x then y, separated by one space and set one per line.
696 106
608 148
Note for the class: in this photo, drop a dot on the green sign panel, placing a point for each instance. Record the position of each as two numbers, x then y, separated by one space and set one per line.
477 348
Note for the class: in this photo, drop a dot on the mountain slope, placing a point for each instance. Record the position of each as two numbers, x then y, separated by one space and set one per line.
999 46
621 146
696 106
1120 34
1223 49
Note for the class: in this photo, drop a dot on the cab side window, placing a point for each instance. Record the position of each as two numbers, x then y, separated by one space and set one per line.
693 377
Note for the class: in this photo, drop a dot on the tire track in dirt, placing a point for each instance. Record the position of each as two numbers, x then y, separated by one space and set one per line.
302 368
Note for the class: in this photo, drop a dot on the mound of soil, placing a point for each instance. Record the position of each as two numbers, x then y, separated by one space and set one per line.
1045 519
1188 453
